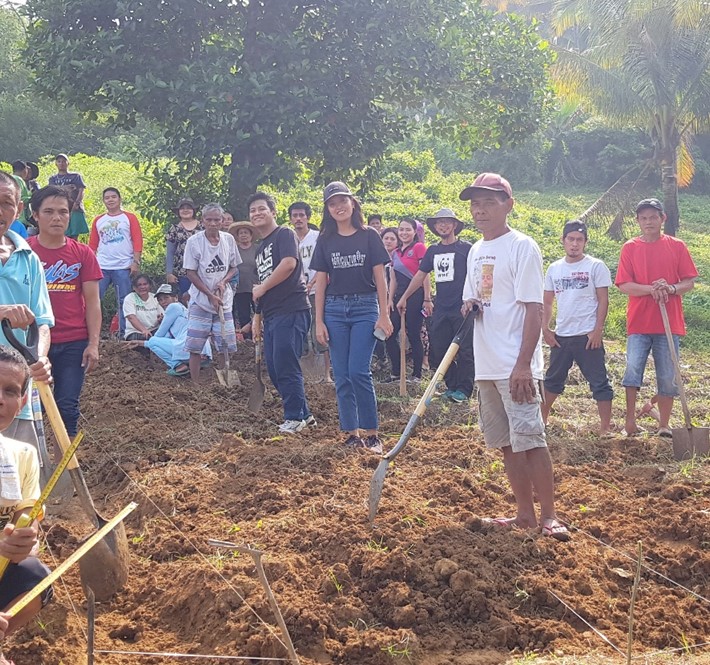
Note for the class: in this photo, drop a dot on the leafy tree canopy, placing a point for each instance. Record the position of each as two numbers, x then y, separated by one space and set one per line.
261 86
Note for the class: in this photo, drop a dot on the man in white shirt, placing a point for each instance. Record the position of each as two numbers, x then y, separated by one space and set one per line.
504 278
581 285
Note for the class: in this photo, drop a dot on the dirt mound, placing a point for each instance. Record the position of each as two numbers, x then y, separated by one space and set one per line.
425 585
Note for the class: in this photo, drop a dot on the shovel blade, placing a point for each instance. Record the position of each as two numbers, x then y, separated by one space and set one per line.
233 378
313 366
376 484
256 397
700 437
682 444
104 568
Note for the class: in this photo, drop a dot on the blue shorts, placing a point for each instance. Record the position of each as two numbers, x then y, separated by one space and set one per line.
21 578
637 350
201 324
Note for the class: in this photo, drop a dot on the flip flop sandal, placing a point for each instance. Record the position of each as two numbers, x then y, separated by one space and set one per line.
498 523
555 529
179 372
664 432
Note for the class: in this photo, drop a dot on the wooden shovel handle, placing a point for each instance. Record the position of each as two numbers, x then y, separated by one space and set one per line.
60 431
676 365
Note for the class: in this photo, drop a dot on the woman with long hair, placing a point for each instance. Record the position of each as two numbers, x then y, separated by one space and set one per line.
175 240
405 263
351 306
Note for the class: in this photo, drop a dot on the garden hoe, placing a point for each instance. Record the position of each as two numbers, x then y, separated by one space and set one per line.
688 441
256 397
378 478
226 376
105 567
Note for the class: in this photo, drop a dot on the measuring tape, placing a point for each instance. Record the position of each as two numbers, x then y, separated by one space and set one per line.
26 519
73 558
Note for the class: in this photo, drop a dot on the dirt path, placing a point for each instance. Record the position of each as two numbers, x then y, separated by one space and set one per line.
426 586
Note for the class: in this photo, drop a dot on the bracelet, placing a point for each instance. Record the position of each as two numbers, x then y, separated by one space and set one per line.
428 301
675 289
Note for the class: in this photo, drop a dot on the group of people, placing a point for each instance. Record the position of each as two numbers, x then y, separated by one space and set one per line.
338 288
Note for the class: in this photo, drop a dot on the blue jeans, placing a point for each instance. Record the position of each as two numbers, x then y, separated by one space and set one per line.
121 280
284 335
351 322
637 349
68 380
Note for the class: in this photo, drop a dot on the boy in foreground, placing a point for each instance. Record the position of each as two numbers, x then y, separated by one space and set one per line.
19 489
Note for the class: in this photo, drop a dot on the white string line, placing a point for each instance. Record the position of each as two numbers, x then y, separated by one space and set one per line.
55 561
189 540
635 560
585 622
653 654
168 654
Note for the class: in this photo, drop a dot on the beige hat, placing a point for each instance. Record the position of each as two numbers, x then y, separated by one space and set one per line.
235 226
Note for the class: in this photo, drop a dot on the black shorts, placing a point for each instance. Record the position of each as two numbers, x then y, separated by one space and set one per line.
22 577
591 363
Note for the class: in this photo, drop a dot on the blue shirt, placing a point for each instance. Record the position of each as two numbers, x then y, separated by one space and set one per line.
22 282
18 227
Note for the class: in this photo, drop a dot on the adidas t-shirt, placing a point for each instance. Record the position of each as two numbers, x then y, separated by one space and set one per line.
211 263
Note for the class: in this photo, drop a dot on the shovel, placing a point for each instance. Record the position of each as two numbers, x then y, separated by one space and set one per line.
105 568
402 355
688 441
227 377
256 397
378 478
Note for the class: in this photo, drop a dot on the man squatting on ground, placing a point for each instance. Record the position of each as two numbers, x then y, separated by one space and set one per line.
505 279
23 284
210 261
653 268
581 285
281 296
447 259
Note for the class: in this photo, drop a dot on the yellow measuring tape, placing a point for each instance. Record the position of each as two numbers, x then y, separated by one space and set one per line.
27 519
73 558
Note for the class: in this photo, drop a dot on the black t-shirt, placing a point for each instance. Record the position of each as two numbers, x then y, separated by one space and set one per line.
289 296
349 261
449 265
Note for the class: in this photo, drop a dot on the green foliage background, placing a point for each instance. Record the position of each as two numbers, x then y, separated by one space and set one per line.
409 183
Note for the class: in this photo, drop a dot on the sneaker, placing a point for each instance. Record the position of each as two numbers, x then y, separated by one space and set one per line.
373 444
446 394
292 426
354 441
458 396
414 379
390 379
311 421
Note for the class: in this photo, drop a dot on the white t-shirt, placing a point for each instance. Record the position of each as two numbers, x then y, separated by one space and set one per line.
115 248
19 459
147 311
503 274
305 249
574 286
212 262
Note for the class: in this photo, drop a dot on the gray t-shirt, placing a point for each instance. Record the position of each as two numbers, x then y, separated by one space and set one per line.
247 269
211 263
575 287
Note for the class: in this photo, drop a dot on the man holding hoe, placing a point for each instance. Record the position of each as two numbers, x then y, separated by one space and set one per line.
504 278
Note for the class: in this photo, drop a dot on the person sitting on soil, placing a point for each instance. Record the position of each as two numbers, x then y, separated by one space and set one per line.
504 278
73 275
211 260
351 303
168 341
19 489
243 306
141 309
447 260
282 297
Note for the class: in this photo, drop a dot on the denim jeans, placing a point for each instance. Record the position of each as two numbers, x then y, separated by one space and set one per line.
121 280
350 321
638 347
284 335
68 380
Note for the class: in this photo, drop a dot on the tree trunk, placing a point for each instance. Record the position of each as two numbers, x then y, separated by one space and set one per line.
669 186
248 170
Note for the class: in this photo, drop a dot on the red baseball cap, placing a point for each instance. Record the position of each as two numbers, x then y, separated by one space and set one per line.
493 182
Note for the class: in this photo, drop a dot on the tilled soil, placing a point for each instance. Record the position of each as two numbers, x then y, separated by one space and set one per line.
426 585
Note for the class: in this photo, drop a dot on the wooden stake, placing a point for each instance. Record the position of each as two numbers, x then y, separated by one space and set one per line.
90 618
634 591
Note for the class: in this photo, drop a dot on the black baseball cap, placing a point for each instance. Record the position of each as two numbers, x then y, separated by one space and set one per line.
575 225
335 188
650 203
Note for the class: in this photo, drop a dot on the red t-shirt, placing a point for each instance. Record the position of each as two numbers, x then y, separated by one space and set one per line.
412 256
66 269
645 262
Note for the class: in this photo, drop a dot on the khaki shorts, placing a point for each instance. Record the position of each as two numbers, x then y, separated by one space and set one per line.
505 423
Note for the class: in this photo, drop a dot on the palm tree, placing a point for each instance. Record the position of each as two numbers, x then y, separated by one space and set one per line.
646 64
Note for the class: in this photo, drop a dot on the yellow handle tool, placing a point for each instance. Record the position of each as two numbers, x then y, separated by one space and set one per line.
27 519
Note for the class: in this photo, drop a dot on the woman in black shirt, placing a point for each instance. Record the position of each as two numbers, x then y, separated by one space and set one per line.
351 303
